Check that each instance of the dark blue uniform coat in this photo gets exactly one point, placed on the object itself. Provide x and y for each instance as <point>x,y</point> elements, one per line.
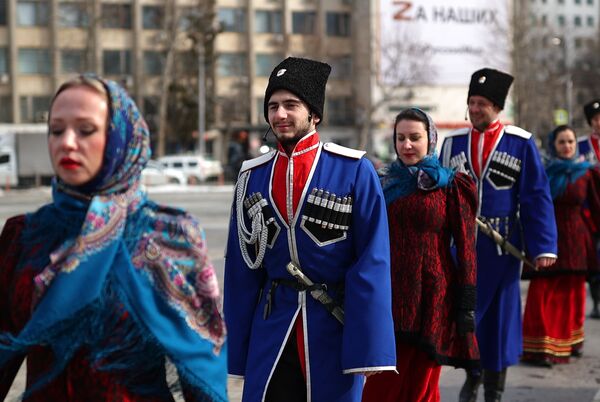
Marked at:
<point>514,197</point>
<point>357,256</point>
<point>585,148</point>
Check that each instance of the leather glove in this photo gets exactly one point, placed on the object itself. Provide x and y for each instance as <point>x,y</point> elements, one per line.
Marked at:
<point>465,321</point>
<point>595,287</point>
<point>593,277</point>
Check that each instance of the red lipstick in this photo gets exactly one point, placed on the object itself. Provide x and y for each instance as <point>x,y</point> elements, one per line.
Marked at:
<point>69,163</point>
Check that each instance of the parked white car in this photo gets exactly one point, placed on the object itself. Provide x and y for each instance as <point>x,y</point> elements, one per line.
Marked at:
<point>155,174</point>
<point>196,168</point>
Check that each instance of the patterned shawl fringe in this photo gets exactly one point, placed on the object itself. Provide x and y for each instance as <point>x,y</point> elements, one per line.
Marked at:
<point>399,180</point>
<point>130,348</point>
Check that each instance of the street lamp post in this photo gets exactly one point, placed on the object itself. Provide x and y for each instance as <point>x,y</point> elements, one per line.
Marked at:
<point>569,89</point>
<point>567,77</point>
<point>201,98</point>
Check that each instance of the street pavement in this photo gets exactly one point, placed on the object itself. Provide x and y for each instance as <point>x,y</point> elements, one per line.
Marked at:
<point>578,381</point>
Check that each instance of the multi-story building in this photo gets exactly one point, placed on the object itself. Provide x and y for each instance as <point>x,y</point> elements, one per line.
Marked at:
<point>571,23</point>
<point>336,31</point>
<point>44,42</point>
<point>568,31</point>
<point>257,34</point>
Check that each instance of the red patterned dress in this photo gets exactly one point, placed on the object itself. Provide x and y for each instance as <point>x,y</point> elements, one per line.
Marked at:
<point>428,288</point>
<point>555,309</point>
<point>79,381</point>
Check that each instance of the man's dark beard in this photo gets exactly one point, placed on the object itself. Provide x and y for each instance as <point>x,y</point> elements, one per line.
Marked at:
<point>291,142</point>
<point>482,129</point>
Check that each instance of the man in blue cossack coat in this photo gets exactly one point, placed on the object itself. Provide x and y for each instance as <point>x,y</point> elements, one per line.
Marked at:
<point>589,147</point>
<point>320,207</point>
<point>514,198</point>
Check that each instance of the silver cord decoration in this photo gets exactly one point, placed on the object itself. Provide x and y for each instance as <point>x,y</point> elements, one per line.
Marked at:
<point>258,233</point>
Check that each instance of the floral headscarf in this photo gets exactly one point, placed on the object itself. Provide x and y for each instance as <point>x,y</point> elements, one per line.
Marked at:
<point>128,254</point>
<point>399,180</point>
<point>560,171</point>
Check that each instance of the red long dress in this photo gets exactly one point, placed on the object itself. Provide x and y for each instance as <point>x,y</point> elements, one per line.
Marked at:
<point>79,381</point>
<point>555,308</point>
<point>428,287</point>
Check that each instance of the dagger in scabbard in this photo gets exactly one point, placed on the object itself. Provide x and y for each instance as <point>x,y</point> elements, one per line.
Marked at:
<point>319,294</point>
<point>504,244</point>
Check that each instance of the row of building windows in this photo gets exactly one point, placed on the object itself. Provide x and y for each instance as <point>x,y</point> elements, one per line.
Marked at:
<point>76,15</point>
<point>562,20</point>
<point>338,111</point>
<point>235,65</point>
<point>115,62</point>
<point>588,43</point>
<point>32,108</point>
<point>269,21</point>
<point>577,2</point>
<point>119,16</point>
<point>38,61</point>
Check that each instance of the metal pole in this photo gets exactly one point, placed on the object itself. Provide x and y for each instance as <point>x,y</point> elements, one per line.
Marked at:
<point>568,82</point>
<point>569,86</point>
<point>201,98</point>
<point>562,42</point>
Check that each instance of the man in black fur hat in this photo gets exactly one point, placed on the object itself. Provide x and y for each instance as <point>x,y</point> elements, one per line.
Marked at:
<point>320,208</point>
<point>514,197</point>
<point>589,147</point>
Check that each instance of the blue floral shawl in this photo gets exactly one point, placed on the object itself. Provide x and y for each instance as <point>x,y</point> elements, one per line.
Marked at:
<point>121,254</point>
<point>561,172</point>
<point>399,180</point>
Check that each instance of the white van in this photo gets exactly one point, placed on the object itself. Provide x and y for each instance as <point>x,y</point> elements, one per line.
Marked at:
<point>24,157</point>
<point>155,174</point>
<point>8,167</point>
<point>196,168</point>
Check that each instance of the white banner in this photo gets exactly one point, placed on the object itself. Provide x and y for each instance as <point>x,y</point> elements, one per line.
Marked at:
<point>451,39</point>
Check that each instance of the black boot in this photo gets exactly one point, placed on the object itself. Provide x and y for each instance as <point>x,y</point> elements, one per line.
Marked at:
<point>468,392</point>
<point>595,293</point>
<point>493,385</point>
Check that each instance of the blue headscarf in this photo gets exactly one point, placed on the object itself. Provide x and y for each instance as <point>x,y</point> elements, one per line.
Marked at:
<point>560,171</point>
<point>122,255</point>
<point>399,180</point>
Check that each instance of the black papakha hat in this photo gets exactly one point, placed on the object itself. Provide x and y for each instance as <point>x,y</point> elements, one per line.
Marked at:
<point>491,84</point>
<point>591,109</point>
<point>305,78</point>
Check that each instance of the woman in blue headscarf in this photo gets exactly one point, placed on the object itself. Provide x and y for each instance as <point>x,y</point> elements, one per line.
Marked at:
<point>555,309</point>
<point>433,293</point>
<point>101,286</point>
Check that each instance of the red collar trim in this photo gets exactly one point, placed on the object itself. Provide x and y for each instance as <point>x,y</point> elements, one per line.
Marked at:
<point>308,141</point>
<point>492,128</point>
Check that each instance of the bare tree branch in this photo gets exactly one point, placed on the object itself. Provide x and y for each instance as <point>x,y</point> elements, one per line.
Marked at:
<point>403,63</point>
<point>170,36</point>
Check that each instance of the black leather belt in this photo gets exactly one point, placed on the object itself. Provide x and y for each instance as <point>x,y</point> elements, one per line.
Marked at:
<point>300,287</point>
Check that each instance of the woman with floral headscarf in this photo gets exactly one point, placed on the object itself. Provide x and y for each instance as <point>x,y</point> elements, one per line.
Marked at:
<point>433,293</point>
<point>554,312</point>
<point>101,286</point>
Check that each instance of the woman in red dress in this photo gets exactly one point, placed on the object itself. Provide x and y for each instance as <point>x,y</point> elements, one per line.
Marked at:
<point>433,289</point>
<point>555,308</point>
<point>101,286</point>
